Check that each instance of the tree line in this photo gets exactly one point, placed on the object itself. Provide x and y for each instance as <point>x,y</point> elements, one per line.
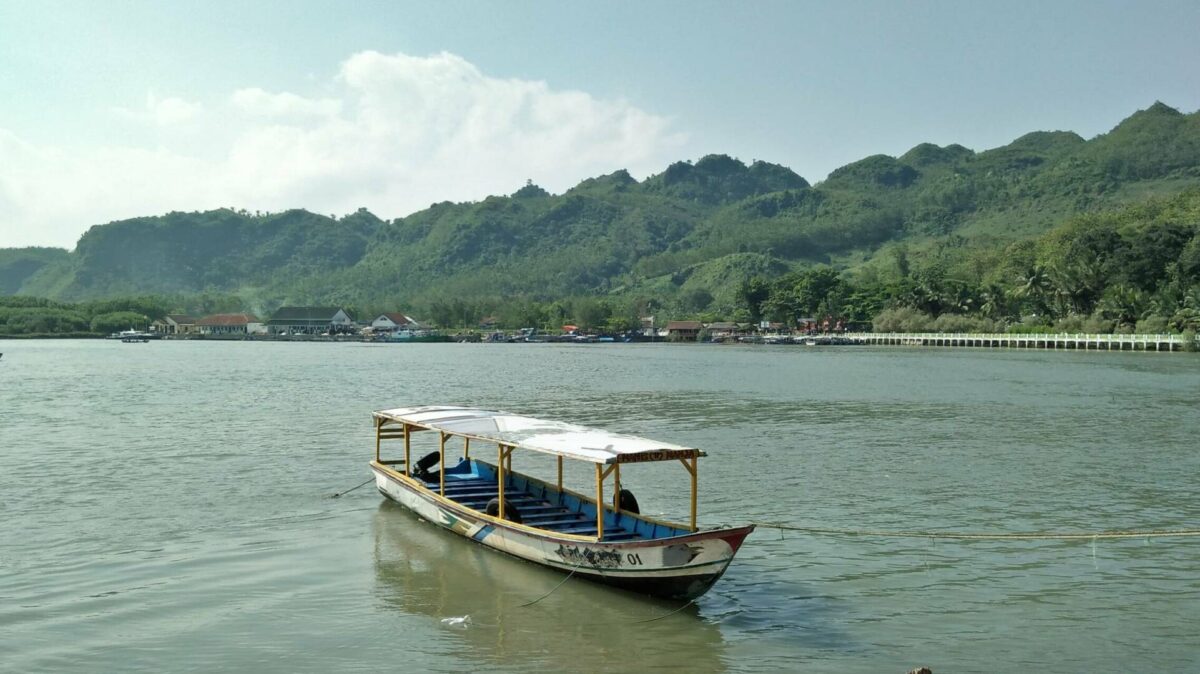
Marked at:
<point>1136,268</point>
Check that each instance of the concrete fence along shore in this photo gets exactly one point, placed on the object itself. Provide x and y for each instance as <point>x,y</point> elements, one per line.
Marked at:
<point>1081,342</point>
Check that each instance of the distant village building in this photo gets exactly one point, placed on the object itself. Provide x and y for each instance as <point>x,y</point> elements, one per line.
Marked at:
<point>722,330</point>
<point>683,330</point>
<point>393,322</point>
<point>310,321</point>
<point>174,324</point>
<point>647,326</point>
<point>230,324</point>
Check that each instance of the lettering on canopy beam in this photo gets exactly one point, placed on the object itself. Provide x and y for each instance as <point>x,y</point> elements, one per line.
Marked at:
<point>659,455</point>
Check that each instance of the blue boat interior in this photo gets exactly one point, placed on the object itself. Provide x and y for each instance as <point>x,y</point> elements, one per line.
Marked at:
<point>473,484</point>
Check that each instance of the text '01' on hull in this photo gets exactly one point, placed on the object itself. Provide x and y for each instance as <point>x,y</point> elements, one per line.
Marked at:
<point>541,521</point>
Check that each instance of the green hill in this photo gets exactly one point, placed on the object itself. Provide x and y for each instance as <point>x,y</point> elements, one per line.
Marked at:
<point>687,238</point>
<point>18,265</point>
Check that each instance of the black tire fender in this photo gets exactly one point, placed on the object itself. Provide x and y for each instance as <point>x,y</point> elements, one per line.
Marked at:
<point>510,511</point>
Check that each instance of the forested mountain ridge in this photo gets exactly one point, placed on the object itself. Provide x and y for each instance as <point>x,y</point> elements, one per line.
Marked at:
<point>688,237</point>
<point>17,265</point>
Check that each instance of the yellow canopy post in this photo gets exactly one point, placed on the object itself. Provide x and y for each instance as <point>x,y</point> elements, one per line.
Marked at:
<point>407,447</point>
<point>466,447</point>
<point>601,476</point>
<point>442,463</point>
<point>617,489</point>
<point>599,501</point>
<point>692,465</point>
<point>500,477</point>
<point>695,469</point>
<point>378,432</point>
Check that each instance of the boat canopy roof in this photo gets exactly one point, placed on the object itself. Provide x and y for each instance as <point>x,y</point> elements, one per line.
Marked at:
<point>540,435</point>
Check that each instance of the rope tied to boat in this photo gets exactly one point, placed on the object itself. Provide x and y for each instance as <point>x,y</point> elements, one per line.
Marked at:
<point>343,493</point>
<point>560,584</point>
<point>984,536</point>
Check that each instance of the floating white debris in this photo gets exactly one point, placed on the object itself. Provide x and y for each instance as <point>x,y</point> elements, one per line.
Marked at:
<point>457,621</point>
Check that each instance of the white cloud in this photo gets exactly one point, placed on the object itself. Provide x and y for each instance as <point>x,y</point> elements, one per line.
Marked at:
<point>255,101</point>
<point>170,111</point>
<point>394,133</point>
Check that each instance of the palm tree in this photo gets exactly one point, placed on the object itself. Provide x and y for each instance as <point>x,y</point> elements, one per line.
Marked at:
<point>1124,303</point>
<point>995,302</point>
<point>1033,285</point>
<point>1078,284</point>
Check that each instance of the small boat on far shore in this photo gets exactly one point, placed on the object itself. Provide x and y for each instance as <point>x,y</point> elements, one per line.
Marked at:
<point>541,521</point>
<point>417,337</point>
<point>132,336</point>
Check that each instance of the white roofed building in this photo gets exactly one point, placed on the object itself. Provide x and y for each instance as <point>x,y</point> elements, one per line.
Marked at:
<point>391,322</point>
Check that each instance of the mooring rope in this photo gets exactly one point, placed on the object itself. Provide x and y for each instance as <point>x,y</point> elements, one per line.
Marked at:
<point>1031,536</point>
<point>669,613</point>
<point>560,584</point>
<point>369,481</point>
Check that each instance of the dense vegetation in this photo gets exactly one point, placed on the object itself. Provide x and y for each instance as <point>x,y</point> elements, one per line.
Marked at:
<point>34,316</point>
<point>1050,231</point>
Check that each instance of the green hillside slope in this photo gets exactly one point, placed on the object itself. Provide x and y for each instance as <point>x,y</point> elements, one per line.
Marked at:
<point>687,238</point>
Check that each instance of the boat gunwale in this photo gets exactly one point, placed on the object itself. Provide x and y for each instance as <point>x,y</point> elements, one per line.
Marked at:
<point>547,534</point>
<point>427,493</point>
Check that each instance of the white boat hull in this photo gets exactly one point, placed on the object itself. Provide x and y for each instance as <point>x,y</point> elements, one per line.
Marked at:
<point>682,567</point>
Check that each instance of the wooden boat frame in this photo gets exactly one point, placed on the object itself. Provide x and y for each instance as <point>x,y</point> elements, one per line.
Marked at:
<point>628,549</point>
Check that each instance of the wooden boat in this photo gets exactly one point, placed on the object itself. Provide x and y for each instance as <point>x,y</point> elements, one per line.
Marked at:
<point>541,521</point>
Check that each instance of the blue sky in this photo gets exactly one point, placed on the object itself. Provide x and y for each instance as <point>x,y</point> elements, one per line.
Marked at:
<point>117,109</point>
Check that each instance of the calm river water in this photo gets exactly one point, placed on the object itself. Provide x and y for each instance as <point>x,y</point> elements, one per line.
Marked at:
<point>165,507</point>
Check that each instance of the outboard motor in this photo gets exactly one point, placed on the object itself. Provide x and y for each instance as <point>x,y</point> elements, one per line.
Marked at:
<point>627,502</point>
<point>421,468</point>
<point>510,511</point>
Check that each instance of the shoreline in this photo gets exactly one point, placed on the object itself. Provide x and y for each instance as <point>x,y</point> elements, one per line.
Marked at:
<point>1041,341</point>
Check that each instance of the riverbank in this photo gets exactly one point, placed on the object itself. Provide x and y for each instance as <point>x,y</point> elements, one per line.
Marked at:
<point>1052,342</point>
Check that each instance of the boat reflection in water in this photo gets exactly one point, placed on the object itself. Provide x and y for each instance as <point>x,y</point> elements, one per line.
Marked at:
<point>421,569</point>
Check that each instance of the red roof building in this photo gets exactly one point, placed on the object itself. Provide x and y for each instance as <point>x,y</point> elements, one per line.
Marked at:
<point>225,324</point>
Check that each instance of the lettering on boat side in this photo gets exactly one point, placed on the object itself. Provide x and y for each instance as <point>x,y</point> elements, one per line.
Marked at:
<point>660,455</point>
<point>605,559</point>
